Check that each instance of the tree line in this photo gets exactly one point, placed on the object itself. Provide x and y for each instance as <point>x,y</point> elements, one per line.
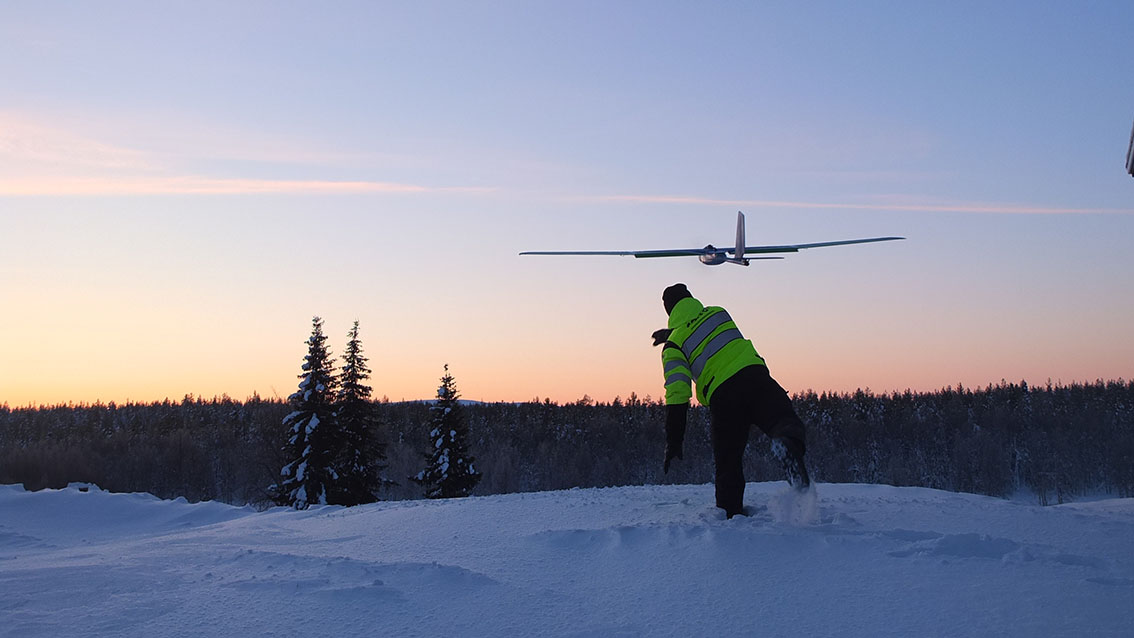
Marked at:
<point>1056,441</point>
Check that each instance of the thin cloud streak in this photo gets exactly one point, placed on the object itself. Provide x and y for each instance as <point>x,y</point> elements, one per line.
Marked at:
<point>193,185</point>
<point>39,159</point>
<point>30,141</point>
<point>931,208</point>
<point>25,142</point>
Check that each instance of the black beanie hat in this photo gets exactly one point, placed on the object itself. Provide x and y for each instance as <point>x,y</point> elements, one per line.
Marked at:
<point>674,294</point>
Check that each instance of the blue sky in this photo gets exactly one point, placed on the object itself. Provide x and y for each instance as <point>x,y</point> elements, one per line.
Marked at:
<point>183,186</point>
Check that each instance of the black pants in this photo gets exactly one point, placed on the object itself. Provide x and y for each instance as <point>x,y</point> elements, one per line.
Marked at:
<point>749,397</point>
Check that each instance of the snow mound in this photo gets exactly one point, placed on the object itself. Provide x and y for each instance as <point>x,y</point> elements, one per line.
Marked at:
<point>847,560</point>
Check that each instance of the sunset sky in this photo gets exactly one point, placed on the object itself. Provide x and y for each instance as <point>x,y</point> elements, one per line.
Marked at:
<point>184,185</point>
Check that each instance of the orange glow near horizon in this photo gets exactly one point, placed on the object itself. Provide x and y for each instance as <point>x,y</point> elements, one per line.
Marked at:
<point>149,310</point>
<point>169,378</point>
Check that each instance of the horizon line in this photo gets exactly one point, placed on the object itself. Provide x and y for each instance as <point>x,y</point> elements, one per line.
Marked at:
<point>1059,383</point>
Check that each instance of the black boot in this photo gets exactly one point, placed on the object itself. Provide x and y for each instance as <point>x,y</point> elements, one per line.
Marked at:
<point>789,453</point>
<point>733,511</point>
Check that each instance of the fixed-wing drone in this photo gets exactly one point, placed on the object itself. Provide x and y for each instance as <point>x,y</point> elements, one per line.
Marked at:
<point>712,256</point>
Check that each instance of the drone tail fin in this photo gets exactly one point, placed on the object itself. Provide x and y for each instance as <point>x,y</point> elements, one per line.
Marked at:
<point>739,235</point>
<point>738,251</point>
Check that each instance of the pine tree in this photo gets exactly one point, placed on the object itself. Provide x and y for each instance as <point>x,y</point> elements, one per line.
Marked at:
<point>363,454</point>
<point>450,472</point>
<point>313,435</point>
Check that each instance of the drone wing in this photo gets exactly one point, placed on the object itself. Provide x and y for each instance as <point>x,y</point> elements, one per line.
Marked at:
<point>711,255</point>
<point>794,248</point>
<point>676,252</point>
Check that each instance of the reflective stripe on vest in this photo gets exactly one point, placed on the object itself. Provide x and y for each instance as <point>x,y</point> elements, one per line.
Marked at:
<point>676,371</point>
<point>698,336</point>
<point>714,346</point>
<point>703,331</point>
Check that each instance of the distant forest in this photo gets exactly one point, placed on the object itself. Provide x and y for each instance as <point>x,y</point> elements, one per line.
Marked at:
<point>1054,441</point>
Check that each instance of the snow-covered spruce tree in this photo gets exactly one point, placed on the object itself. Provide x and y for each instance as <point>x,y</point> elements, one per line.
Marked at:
<point>362,457</point>
<point>313,436</point>
<point>450,472</point>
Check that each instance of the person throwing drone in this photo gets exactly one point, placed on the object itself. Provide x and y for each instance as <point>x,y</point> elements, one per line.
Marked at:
<point>703,345</point>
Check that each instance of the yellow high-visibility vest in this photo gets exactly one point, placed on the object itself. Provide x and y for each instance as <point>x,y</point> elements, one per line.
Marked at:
<point>705,346</point>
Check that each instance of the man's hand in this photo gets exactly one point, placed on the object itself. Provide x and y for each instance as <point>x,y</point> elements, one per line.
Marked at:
<point>672,451</point>
<point>661,336</point>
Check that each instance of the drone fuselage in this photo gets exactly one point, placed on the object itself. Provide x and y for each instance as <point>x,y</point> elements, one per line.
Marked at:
<point>713,256</point>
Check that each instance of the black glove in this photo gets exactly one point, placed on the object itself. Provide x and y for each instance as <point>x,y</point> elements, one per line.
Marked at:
<point>675,416</point>
<point>661,336</point>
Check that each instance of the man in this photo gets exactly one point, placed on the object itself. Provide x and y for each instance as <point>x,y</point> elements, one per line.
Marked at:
<point>703,345</point>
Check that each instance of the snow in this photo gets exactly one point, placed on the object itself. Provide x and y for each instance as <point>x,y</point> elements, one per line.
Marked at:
<point>858,560</point>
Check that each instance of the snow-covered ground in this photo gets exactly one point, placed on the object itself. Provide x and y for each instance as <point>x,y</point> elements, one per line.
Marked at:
<point>865,560</point>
